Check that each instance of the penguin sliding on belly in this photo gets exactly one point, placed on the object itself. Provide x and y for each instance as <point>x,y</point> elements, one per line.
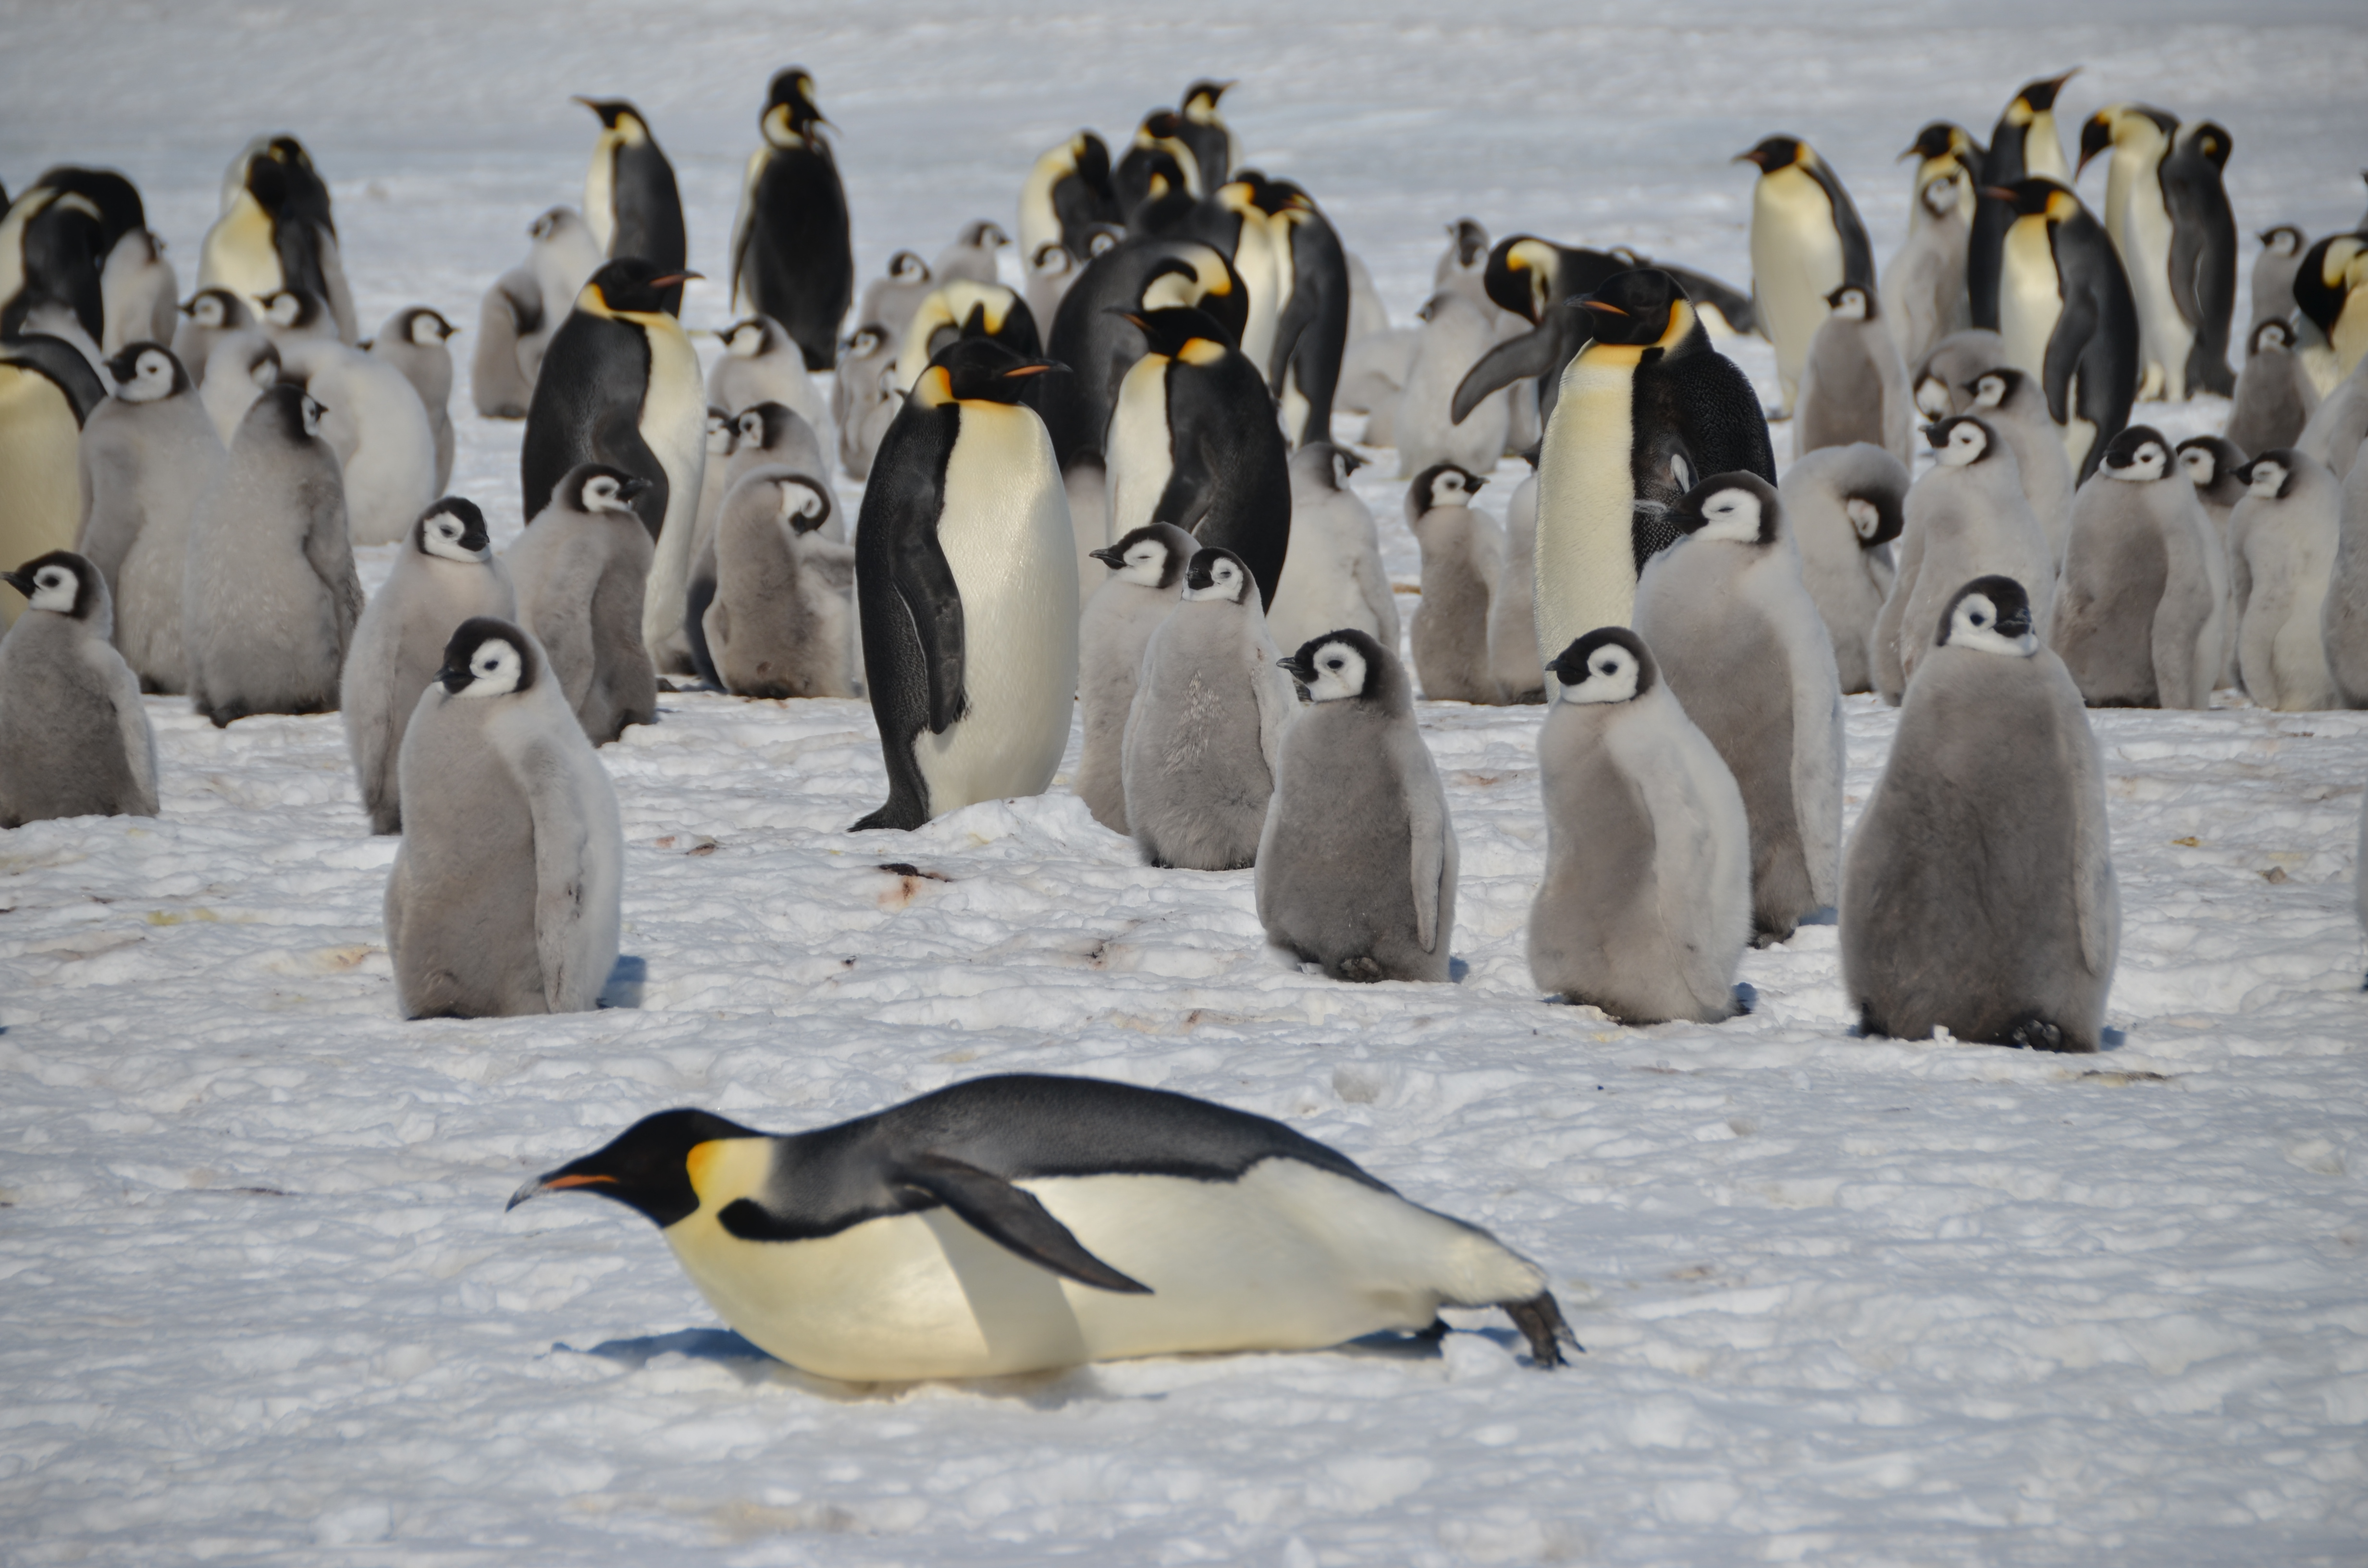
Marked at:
<point>1023,1222</point>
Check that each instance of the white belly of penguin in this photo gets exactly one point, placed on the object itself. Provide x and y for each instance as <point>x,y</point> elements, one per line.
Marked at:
<point>2028,298</point>
<point>1797,261</point>
<point>674,425</point>
<point>2166,334</point>
<point>1288,1257</point>
<point>238,254</point>
<point>1140,451</point>
<point>1587,497</point>
<point>1006,534</point>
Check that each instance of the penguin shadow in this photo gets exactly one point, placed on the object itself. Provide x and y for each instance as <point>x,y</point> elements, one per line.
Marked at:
<point>745,1360</point>
<point>2108,1038</point>
<point>624,984</point>
<point>1456,970</point>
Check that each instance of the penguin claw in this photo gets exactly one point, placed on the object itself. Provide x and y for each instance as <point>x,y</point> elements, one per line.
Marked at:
<point>1540,1322</point>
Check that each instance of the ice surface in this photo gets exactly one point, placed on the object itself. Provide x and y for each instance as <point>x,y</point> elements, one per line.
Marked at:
<point>1846,1301</point>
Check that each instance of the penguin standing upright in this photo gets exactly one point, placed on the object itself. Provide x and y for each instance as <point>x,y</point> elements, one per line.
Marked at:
<point>792,257</point>
<point>1050,270</point>
<point>970,257</point>
<point>137,291</point>
<point>1216,149</point>
<point>73,738</point>
<point>1310,330</point>
<point>208,316</point>
<point>2211,464</point>
<point>2283,540</point>
<point>53,245</point>
<point>1807,242</point>
<point>1853,386</point>
<point>864,397</point>
<point>2343,618</point>
<point>243,366</point>
<point>965,308</point>
<point>2067,315</point>
<point>524,307</point>
<point>1068,191</point>
<point>1462,561</point>
<point>777,622</point>
<point>377,426</point>
<point>1091,334</point>
<point>893,297</point>
<point>2015,409</point>
<point>1924,285</point>
<point>630,199</point>
<point>2273,273</point>
<point>2168,217</point>
<point>966,579</point>
<point>1645,410</point>
<point>46,390</point>
<point>2138,617</point>
<point>1333,577</point>
<point>2274,397</point>
<point>1431,424</point>
<point>761,364</point>
<point>147,453</point>
<point>1513,659</point>
<point>276,232</point>
<point>581,569</point>
<point>413,342</point>
<point>1844,505</point>
<point>2024,144</point>
<point>1146,580</point>
<point>1943,380</point>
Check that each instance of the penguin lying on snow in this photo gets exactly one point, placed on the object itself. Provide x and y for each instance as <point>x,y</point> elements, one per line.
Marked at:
<point>1022,1223</point>
<point>73,739</point>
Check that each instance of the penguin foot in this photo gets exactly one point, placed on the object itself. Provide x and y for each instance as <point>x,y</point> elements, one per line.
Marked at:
<point>1540,1322</point>
<point>1361,970</point>
<point>2038,1034</point>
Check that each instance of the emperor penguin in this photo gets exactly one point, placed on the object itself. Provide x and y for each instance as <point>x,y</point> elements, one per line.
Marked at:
<point>377,426</point>
<point>505,899</point>
<point>73,739</point>
<point>2343,619</point>
<point>1216,149</point>
<point>2065,313</point>
<point>47,390</point>
<point>1978,894</point>
<point>1924,285</point>
<point>2211,463</point>
<point>2139,616</point>
<point>1807,242</point>
<point>1211,706</point>
<point>722,437</point>
<point>1853,386</point>
<point>1464,266</point>
<point>1333,577</point>
<point>1513,660</point>
<point>525,307</point>
<point>2274,397</point>
<point>630,197</point>
<point>2012,405</point>
<point>970,256</point>
<point>1966,517</point>
<point>792,257</point>
<point>269,596</point>
<point>445,574</point>
<point>1463,562</point>
<point>413,341</point>
<point>2273,273</point>
<point>1050,270</point>
<point>146,454</point>
<point>2330,289</point>
<point>1646,409</point>
<point>208,316</point>
<point>1092,335</point>
<point>1311,331</point>
<point>864,397</point>
<point>1645,909</point>
<point>291,315</point>
<point>243,366</point>
<point>893,297</point>
<point>2283,539</point>
<point>136,284</point>
<point>2339,423</point>
<point>1843,507</point>
<point>761,364</point>
<point>1194,442</point>
<point>777,622</point>
<point>1356,863</point>
<point>581,571</point>
<point>1146,580</point>
<point>1025,1224</point>
<point>966,308</point>
<point>774,433</point>
<point>1744,651</point>
<point>2169,220</point>
<point>1455,334</point>
<point>277,232</point>
<point>52,245</point>
<point>2024,144</point>
<point>1942,380</point>
<point>1068,192</point>
<point>966,583</point>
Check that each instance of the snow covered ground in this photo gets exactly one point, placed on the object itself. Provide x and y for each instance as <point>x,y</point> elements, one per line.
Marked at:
<point>1845,1301</point>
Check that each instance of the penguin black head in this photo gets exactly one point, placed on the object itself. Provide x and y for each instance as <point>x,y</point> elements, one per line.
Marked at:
<point>60,582</point>
<point>2037,198</point>
<point>424,326</point>
<point>619,115</point>
<point>1470,240</point>
<point>1962,440</point>
<point>1216,573</point>
<point>453,529</point>
<point>1154,556</point>
<point>1876,511</point>
<point>723,433</point>
<point>117,198</point>
<point>2271,476</point>
<point>1941,193</point>
<point>1854,301</point>
<point>2139,455</point>
<point>907,267</point>
<point>299,309</point>
<point>1942,140</point>
<point>1777,152</point>
<point>1051,259</point>
<point>219,309</point>
<point>2207,459</point>
<point>983,234</point>
<point>1103,238</point>
<point>647,1167</point>
<point>2210,139</point>
<point>798,502</point>
<point>1175,330</point>
<point>1996,387</point>
<point>1609,663</point>
<point>289,410</point>
<point>1340,665</point>
<point>2271,334</point>
<point>1441,485</point>
<point>977,369</point>
<point>596,487</point>
<point>147,372</point>
<point>1201,99</point>
<point>488,657</point>
<point>2283,240</point>
<point>761,424</point>
<point>1734,509</point>
<point>1645,308</point>
<point>1991,615</point>
<point>2097,130</point>
<point>2037,97</point>
<point>629,287</point>
<point>790,114</point>
<point>1522,274</point>
<point>1089,156</point>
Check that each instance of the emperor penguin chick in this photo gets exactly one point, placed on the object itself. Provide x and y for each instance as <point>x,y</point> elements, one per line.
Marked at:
<point>1844,505</point>
<point>864,398</point>
<point>444,573</point>
<point>2138,620</point>
<point>1742,649</point>
<point>2275,397</point>
<point>1146,580</point>
<point>1853,386</point>
<point>504,896</point>
<point>239,368</point>
<point>1355,864</point>
<point>1942,382</point>
<point>208,315</point>
<point>413,341</point>
<point>1923,288</point>
<point>1513,660</point>
<point>2211,463</point>
<point>148,453</point>
<point>762,363</point>
<point>2282,544</point>
<point>270,596</point>
<point>1455,333</point>
<point>779,623</point>
<point>776,435</point>
<point>2014,408</point>
<point>1207,723</point>
<point>1463,563</point>
<point>1333,576</point>
<point>1978,895</point>
<point>375,421</point>
<point>73,739</point>
<point>580,569</point>
<point>1646,906</point>
<point>2343,622</point>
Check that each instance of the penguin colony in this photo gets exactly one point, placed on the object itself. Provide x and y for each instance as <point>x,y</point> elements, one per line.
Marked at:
<point>1121,486</point>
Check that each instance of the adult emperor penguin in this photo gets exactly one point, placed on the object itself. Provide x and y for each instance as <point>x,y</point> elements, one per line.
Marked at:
<point>1311,333</point>
<point>2274,397</point>
<point>1744,651</point>
<point>1807,242</point>
<point>136,288</point>
<point>2024,144</point>
<point>778,621</point>
<point>445,574</point>
<point>1211,706</point>
<point>275,231</point>
<point>2283,539</point>
<point>761,364</point>
<point>1646,905</point>
<point>2343,620</point>
<point>1853,386</point>
<point>147,453</point>
<point>504,900</point>
<point>46,390</point>
<point>1023,1224</point>
<point>1068,191</point>
<point>1091,334</point>
<point>1646,409</point>
<point>966,578</point>
<point>1924,285</point>
<point>965,308</point>
<point>73,738</point>
<point>1146,580</point>
<point>1216,149</point>
<point>2014,408</point>
<point>1965,518</point>
<point>2168,217</point>
<point>2138,617</point>
<point>1844,505</point>
<point>2067,315</point>
<point>581,569</point>
<point>1356,864</point>
<point>2339,424</point>
<point>413,341</point>
<point>630,199</point>
<point>52,245</point>
<point>1333,577</point>
<point>1978,895</point>
<point>270,596</point>
<point>1462,561</point>
<point>791,258</point>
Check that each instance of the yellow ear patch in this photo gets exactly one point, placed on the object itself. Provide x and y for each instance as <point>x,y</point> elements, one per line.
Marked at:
<point>1202,351</point>
<point>935,389</point>
<point>699,1164</point>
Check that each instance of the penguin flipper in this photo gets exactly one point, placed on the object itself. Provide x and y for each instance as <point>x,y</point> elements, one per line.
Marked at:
<point>2065,346</point>
<point>1012,1218</point>
<point>924,580</point>
<point>1531,354</point>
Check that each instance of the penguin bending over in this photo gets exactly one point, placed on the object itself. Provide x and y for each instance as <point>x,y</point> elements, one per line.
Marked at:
<point>1356,863</point>
<point>276,232</point>
<point>375,423</point>
<point>1091,334</point>
<point>2330,289</point>
<point>1022,1223</point>
<point>1853,386</point>
<point>504,900</point>
<point>1924,285</point>
<point>47,390</point>
<point>965,308</point>
<point>2340,423</point>
<point>52,244</point>
<point>73,739</point>
<point>1333,576</point>
<point>581,569</point>
<point>1146,580</point>
<point>1427,427</point>
<point>413,342</point>
<point>2283,539</point>
<point>1463,562</point>
<point>1807,242</point>
<point>1844,505</point>
<point>630,196</point>
<point>2274,397</point>
<point>791,258</point>
<point>777,623</point>
<point>2138,619</point>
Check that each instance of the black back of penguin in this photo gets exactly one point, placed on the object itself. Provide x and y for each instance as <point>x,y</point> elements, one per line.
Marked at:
<point>646,207</point>
<point>587,403</point>
<point>1231,484</point>
<point>793,258</point>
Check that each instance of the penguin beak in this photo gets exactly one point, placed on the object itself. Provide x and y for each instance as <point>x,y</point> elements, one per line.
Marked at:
<point>1609,310</point>
<point>1998,193</point>
<point>1755,158</point>
<point>671,279</point>
<point>1298,669</point>
<point>556,1182</point>
<point>453,678</point>
<point>1934,435</point>
<point>1046,368</point>
<point>18,581</point>
<point>1111,556</point>
<point>630,487</point>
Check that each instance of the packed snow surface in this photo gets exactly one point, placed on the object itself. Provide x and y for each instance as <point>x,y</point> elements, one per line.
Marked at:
<point>1844,1301</point>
